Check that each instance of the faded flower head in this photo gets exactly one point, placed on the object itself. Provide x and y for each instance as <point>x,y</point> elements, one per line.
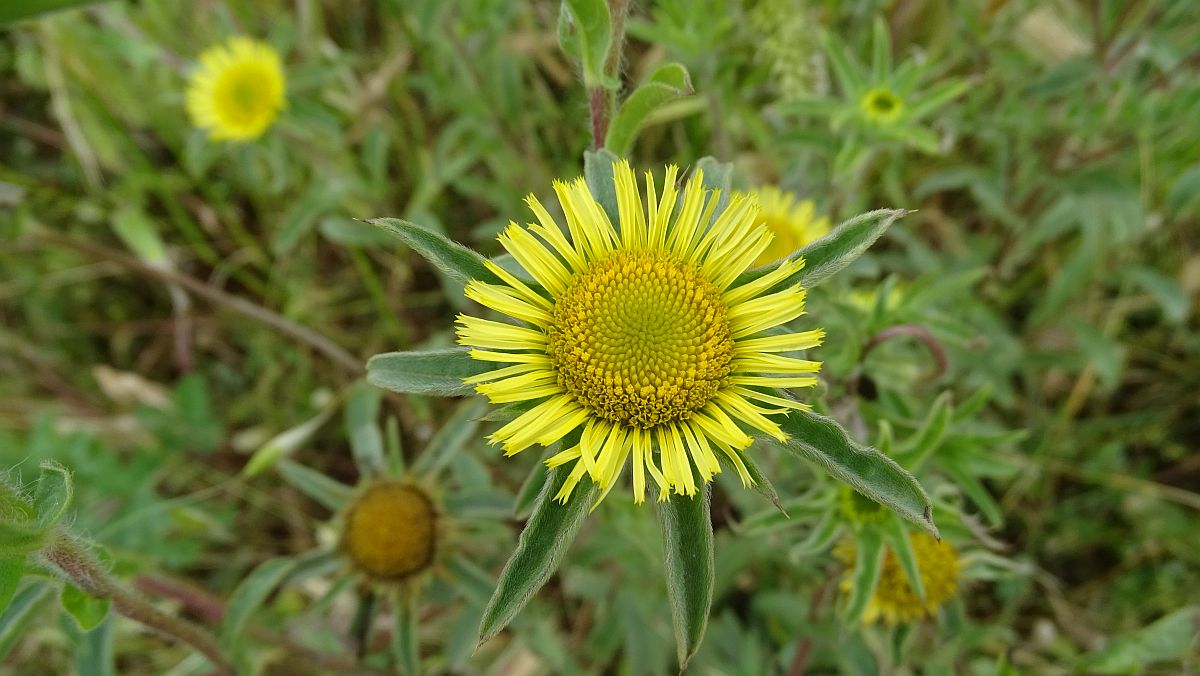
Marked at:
<point>390,531</point>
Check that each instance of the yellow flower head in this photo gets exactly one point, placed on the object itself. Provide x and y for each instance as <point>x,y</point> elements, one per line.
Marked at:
<point>881,106</point>
<point>793,221</point>
<point>237,91</point>
<point>390,531</point>
<point>639,334</point>
<point>894,600</point>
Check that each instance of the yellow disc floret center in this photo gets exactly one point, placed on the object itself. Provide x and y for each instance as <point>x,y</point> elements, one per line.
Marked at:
<point>390,531</point>
<point>641,339</point>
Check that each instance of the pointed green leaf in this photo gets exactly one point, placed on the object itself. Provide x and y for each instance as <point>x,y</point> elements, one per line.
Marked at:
<point>94,650</point>
<point>896,536</point>
<point>361,422</point>
<point>530,490</point>
<point>329,492</point>
<point>248,596</point>
<point>927,102</point>
<point>666,84</point>
<point>868,564</point>
<point>836,250</point>
<point>87,610</point>
<point>547,535</point>
<point>968,484</point>
<point>53,494</point>
<point>688,558</point>
<point>598,172</point>
<point>437,372</point>
<point>822,441</point>
<point>452,258</point>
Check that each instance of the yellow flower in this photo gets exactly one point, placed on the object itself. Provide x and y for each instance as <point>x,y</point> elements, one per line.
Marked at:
<point>390,531</point>
<point>640,335</point>
<point>881,106</point>
<point>792,221</point>
<point>894,600</point>
<point>237,91</point>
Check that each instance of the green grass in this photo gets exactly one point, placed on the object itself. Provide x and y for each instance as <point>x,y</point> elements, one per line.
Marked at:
<point>1050,152</point>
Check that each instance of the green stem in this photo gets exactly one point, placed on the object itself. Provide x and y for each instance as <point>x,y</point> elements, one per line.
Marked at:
<point>601,100</point>
<point>67,555</point>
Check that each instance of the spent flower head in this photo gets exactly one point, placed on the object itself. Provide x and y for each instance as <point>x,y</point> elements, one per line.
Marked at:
<point>238,90</point>
<point>390,531</point>
<point>638,334</point>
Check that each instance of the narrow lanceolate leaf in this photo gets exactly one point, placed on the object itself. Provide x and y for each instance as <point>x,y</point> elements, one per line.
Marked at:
<point>929,437</point>
<point>53,494</point>
<point>449,256</point>
<point>20,614</point>
<point>437,372</point>
<point>455,433</point>
<point>248,596</point>
<point>688,558</point>
<point>896,536</point>
<point>868,563</point>
<point>828,255</point>
<point>598,172</point>
<point>668,83</point>
<point>824,442</point>
<point>547,535</point>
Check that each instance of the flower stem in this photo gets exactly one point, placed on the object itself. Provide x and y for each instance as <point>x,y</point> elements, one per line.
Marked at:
<point>74,561</point>
<point>602,100</point>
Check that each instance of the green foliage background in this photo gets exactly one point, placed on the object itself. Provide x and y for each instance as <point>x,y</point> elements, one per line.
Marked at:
<point>183,323</point>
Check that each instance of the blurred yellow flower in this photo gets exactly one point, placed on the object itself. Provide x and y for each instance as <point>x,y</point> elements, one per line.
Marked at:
<point>793,221</point>
<point>894,600</point>
<point>237,91</point>
<point>859,508</point>
<point>390,531</point>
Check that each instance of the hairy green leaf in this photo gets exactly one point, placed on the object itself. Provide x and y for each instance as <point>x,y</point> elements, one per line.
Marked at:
<point>53,494</point>
<point>360,420</point>
<point>822,441</point>
<point>452,258</point>
<point>666,84</point>
<point>896,536</point>
<point>547,535</point>
<point>688,558</point>
<point>833,252</point>
<point>436,372</point>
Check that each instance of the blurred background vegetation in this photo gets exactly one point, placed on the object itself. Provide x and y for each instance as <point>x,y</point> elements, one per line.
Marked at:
<point>183,323</point>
